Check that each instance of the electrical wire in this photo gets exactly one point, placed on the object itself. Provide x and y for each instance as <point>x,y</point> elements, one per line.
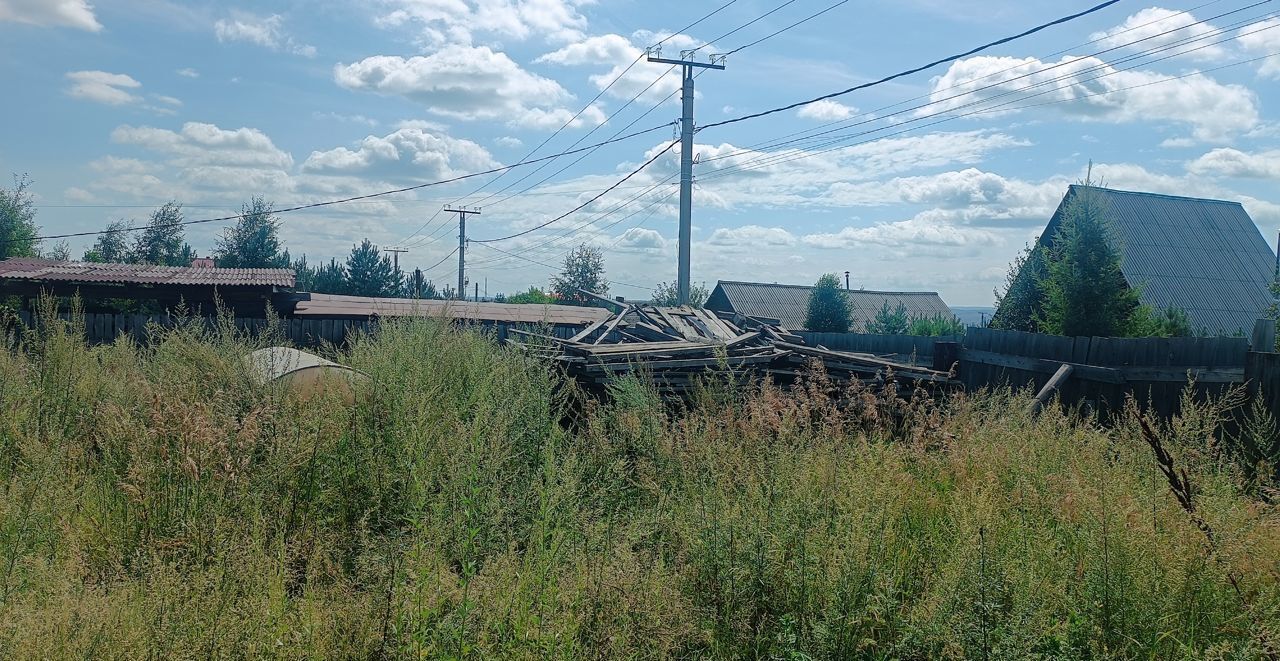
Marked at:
<point>908,72</point>
<point>532,261</point>
<point>744,26</point>
<point>796,24</point>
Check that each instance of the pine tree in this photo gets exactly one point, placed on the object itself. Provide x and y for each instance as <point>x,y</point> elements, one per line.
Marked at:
<point>111,246</point>
<point>254,242</point>
<point>889,322</point>
<point>1085,293</point>
<point>18,229</point>
<point>1021,304</point>
<point>161,241</point>
<point>583,270</point>
<point>370,273</point>
<point>828,307</point>
<point>330,278</point>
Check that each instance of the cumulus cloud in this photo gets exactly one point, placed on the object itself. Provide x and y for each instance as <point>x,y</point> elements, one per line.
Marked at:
<point>102,87</point>
<point>406,152</point>
<point>1098,92</point>
<point>915,232</point>
<point>51,13</point>
<point>508,141</point>
<point>1147,29</point>
<point>641,238</point>
<point>265,31</point>
<point>826,110</point>
<point>1227,162</point>
<point>188,72</point>
<point>623,79</point>
<point>459,21</point>
<point>199,144</point>
<point>1263,39</point>
<point>752,236</point>
<point>466,83</point>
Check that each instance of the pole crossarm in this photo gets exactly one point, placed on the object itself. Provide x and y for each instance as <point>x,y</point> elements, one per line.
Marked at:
<point>715,61</point>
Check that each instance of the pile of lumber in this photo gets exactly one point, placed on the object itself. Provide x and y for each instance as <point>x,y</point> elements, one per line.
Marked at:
<point>676,346</point>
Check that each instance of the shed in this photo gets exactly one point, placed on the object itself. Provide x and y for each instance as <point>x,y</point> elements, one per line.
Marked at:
<point>789,304</point>
<point>249,290</point>
<point>1204,256</point>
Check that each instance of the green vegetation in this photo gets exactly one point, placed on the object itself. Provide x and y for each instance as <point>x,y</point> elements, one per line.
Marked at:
<point>254,241</point>
<point>889,322</point>
<point>583,270</point>
<point>828,308</point>
<point>534,295</point>
<point>668,294</point>
<point>156,502</point>
<point>935,325</point>
<point>18,228</point>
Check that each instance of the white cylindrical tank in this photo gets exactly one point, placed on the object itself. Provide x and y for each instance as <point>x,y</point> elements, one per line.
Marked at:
<point>304,374</point>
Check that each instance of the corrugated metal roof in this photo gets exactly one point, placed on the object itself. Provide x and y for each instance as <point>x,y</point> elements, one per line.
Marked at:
<point>335,305</point>
<point>1204,256</point>
<point>47,270</point>
<point>789,304</point>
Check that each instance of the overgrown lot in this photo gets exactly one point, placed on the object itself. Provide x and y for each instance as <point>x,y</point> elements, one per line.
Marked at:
<point>155,502</point>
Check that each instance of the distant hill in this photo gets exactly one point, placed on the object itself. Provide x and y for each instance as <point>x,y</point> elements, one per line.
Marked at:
<point>973,315</point>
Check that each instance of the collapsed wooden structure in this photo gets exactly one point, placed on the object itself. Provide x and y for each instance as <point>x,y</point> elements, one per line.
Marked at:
<point>678,346</point>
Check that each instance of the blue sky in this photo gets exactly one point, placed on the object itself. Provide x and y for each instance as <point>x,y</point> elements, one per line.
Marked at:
<point>124,105</point>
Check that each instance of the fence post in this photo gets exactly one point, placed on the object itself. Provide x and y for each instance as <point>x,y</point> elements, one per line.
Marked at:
<point>945,355</point>
<point>1264,335</point>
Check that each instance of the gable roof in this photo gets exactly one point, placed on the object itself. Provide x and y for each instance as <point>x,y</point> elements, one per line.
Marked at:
<point>789,304</point>
<point>1204,256</point>
<point>53,271</point>
<point>335,305</point>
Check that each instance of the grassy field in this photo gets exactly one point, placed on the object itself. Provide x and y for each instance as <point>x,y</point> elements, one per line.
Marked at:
<point>157,503</point>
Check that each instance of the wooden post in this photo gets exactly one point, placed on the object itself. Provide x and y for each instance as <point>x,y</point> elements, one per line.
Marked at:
<point>1049,388</point>
<point>945,355</point>
<point>1264,336</point>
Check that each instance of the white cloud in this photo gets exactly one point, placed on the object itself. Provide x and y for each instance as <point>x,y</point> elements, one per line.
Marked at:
<point>407,152</point>
<point>167,100</point>
<point>509,141</point>
<point>459,21</point>
<point>1147,29</point>
<point>826,110</point>
<point>102,87</point>
<point>1227,162</point>
<point>200,144</point>
<point>915,232</point>
<point>339,117</point>
<point>752,236</point>
<point>466,83</point>
<point>188,72</point>
<point>1263,39</point>
<point>53,13</point>
<point>624,79</point>
<point>641,238</point>
<point>267,32</point>
<point>1214,111</point>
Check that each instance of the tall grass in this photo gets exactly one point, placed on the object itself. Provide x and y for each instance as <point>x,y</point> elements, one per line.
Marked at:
<point>157,502</point>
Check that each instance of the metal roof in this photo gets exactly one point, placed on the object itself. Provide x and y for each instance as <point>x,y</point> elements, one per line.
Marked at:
<point>1204,256</point>
<point>48,270</point>
<point>335,305</point>
<point>789,304</point>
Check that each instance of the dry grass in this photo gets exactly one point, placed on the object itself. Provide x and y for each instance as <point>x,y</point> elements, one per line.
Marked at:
<point>156,503</point>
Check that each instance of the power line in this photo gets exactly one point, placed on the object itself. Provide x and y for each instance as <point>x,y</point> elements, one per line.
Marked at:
<point>915,70</point>
<point>354,198</point>
<point>814,131</point>
<point>744,26</point>
<point>588,202</point>
<point>769,158</point>
<point>796,24</point>
<point>532,261</point>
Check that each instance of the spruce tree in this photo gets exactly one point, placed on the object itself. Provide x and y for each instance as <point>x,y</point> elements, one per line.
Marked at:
<point>370,273</point>
<point>828,307</point>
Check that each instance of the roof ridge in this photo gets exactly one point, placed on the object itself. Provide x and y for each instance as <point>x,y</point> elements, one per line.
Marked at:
<point>1160,195</point>
<point>861,291</point>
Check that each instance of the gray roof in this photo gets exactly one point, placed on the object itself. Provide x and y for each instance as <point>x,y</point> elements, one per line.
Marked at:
<point>49,270</point>
<point>1204,256</point>
<point>789,304</point>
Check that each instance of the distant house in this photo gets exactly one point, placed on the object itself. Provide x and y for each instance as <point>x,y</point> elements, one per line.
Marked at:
<point>1204,256</point>
<point>789,304</point>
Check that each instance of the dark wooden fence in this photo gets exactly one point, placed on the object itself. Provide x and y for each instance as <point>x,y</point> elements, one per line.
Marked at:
<point>914,349</point>
<point>308,332</point>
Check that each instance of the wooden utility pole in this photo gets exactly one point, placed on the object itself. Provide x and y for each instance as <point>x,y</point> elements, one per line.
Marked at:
<point>395,255</point>
<point>686,157</point>
<point>462,246</point>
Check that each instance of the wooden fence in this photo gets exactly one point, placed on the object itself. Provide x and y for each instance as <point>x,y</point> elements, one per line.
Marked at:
<point>101,328</point>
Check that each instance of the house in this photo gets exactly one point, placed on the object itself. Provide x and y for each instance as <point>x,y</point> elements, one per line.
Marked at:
<point>247,291</point>
<point>789,304</point>
<point>1203,256</point>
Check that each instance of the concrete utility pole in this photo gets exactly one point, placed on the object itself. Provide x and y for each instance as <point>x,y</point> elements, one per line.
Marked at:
<point>462,247</point>
<point>395,255</point>
<point>686,156</point>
